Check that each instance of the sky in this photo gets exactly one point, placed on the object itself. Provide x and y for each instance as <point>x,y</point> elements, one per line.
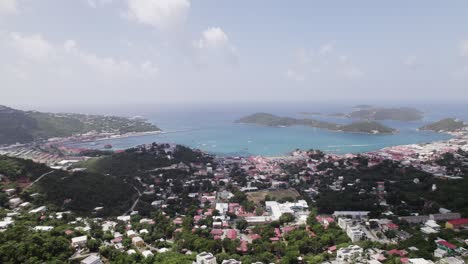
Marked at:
<point>90,52</point>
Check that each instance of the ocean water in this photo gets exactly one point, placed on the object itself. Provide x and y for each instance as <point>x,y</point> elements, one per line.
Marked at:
<point>212,129</point>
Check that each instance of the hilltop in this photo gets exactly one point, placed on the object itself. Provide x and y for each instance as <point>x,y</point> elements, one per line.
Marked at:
<point>265,119</point>
<point>445,125</point>
<point>17,126</point>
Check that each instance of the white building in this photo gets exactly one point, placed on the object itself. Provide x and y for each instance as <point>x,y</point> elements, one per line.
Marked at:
<point>79,241</point>
<point>355,233</point>
<point>43,228</point>
<point>222,208</point>
<point>277,210</point>
<point>138,241</point>
<point>14,202</point>
<point>231,261</point>
<point>349,253</point>
<point>93,259</point>
<point>147,253</point>
<point>419,261</point>
<point>451,260</point>
<point>343,223</point>
<point>38,210</point>
<point>206,258</point>
<point>353,214</point>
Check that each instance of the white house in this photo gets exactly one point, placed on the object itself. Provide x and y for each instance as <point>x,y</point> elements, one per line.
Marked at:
<point>79,241</point>
<point>206,258</point>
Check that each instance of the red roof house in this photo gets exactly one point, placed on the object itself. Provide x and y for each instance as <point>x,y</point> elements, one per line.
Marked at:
<point>231,234</point>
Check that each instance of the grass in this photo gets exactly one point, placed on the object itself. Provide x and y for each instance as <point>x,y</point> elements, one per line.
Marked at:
<point>259,196</point>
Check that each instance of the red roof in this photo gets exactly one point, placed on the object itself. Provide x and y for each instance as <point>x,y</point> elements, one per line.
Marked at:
<point>243,247</point>
<point>255,236</point>
<point>288,229</point>
<point>231,234</point>
<point>447,244</point>
<point>401,253</point>
<point>458,222</point>
<point>217,232</point>
<point>277,232</point>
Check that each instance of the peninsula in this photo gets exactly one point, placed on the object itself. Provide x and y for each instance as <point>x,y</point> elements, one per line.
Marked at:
<point>17,126</point>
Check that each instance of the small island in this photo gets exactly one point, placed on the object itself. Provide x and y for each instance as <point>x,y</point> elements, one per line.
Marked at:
<point>405,114</point>
<point>446,125</point>
<point>366,127</point>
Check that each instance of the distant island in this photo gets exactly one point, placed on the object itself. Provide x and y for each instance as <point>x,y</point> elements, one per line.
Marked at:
<point>310,113</point>
<point>398,114</point>
<point>18,126</point>
<point>265,119</point>
<point>446,125</point>
<point>362,106</point>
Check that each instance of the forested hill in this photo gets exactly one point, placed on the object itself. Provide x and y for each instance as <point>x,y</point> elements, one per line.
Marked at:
<point>18,126</point>
<point>110,181</point>
<point>80,192</point>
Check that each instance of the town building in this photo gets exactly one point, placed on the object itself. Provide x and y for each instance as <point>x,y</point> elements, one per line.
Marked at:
<point>205,258</point>
<point>79,241</point>
<point>92,259</point>
<point>349,253</point>
<point>457,223</point>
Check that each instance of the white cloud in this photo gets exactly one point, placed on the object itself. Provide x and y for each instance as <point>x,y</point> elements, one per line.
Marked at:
<point>213,38</point>
<point>326,49</point>
<point>32,53</point>
<point>294,75</point>
<point>352,72</point>
<point>8,7</point>
<point>97,3</point>
<point>464,48</point>
<point>326,64</point>
<point>410,60</point>
<point>107,65</point>
<point>149,68</point>
<point>214,44</point>
<point>33,47</point>
<point>162,14</point>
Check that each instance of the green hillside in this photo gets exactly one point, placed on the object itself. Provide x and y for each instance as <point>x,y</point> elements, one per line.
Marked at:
<point>18,126</point>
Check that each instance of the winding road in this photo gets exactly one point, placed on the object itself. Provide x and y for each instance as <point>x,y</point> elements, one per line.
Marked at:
<point>38,179</point>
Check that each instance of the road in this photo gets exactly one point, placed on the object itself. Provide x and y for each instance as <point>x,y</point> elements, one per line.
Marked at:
<point>136,201</point>
<point>38,179</point>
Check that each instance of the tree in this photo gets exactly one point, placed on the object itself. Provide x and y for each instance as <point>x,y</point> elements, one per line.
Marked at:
<point>286,218</point>
<point>93,244</point>
<point>242,224</point>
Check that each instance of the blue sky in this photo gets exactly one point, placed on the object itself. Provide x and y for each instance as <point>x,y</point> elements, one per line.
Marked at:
<point>150,51</point>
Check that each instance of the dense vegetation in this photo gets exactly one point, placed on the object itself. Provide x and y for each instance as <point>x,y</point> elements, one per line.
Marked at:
<point>26,126</point>
<point>265,119</point>
<point>367,127</point>
<point>20,169</point>
<point>447,124</point>
<point>81,192</point>
<point>407,189</point>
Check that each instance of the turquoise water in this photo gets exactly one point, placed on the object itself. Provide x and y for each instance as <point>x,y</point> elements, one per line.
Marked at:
<point>212,129</point>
